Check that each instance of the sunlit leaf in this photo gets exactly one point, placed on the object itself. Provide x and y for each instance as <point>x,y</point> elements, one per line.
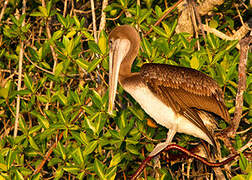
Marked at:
<point>94,64</point>
<point>160,31</point>
<point>194,62</point>
<point>99,169</point>
<point>102,43</point>
<point>94,47</point>
<point>33,143</point>
<point>28,82</point>
<point>115,160</point>
<point>90,147</point>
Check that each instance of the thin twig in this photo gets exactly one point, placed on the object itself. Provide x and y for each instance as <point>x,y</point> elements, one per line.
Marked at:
<point>192,13</point>
<point>94,20</point>
<point>38,169</point>
<point>65,8</point>
<point>103,16</point>
<point>20,67</point>
<point>189,153</point>
<point>199,20</point>
<point>3,9</point>
<point>34,64</point>
<point>244,44</point>
<point>165,14</point>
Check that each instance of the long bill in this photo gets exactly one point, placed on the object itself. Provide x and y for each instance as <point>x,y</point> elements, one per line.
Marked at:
<point>117,53</point>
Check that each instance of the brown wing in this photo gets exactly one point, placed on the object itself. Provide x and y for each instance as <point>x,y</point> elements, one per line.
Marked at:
<point>185,89</point>
<point>192,88</point>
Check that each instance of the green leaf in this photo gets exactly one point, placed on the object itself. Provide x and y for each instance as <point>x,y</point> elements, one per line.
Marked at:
<point>94,64</point>
<point>213,24</point>
<point>76,21</point>
<point>72,169</point>
<point>4,92</point>
<point>111,173</point>
<point>62,20</point>
<point>62,98</point>
<point>243,162</point>
<point>212,41</point>
<point>83,64</point>
<point>158,11</point>
<point>28,82</point>
<point>116,159</point>
<point>77,154</point>
<point>19,176</point>
<point>61,150</point>
<point>61,117</point>
<point>57,34</point>
<point>23,92</point>
<point>49,7</point>
<point>42,99</point>
<point>102,43</point>
<point>37,14</point>
<point>43,10</point>
<point>160,31</point>
<point>137,112</point>
<point>59,69</point>
<point>100,121</point>
<point>22,125</point>
<point>99,169</point>
<point>34,129</point>
<point>231,45</point>
<point>90,147</point>
<point>41,119</point>
<point>218,56</point>
<point>33,143</point>
<point>239,177</point>
<point>96,99</point>
<point>3,167</point>
<point>147,47</point>
<point>94,47</point>
<point>238,142</point>
<point>71,33</point>
<point>84,138</point>
<point>11,155</point>
<point>132,149</point>
<point>146,15</point>
<point>194,63</point>
<point>59,172</point>
<point>88,35</point>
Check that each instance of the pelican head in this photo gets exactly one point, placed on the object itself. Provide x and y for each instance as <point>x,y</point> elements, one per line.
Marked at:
<point>124,42</point>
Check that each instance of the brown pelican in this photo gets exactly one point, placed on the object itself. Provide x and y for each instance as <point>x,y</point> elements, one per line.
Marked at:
<point>177,98</point>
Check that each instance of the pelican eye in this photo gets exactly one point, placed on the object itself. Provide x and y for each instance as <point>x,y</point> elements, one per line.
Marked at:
<point>110,43</point>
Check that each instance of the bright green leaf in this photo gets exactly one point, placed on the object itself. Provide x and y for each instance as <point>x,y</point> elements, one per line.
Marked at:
<point>99,169</point>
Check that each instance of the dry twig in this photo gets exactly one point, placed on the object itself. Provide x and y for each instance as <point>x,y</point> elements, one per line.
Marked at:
<point>3,9</point>
<point>103,16</point>
<point>20,67</point>
<point>165,14</point>
<point>244,43</point>
<point>94,20</point>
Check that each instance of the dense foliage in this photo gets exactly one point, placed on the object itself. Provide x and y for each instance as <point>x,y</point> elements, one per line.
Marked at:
<point>63,106</point>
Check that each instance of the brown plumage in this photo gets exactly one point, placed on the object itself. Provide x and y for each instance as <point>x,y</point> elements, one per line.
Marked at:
<point>175,97</point>
<point>189,88</point>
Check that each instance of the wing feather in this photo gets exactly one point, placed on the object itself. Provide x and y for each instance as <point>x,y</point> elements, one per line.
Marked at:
<point>196,89</point>
<point>185,90</point>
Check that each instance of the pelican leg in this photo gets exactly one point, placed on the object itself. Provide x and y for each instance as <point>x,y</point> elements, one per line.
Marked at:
<point>161,146</point>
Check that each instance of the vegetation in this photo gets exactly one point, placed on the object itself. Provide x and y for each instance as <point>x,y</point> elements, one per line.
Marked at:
<point>53,80</point>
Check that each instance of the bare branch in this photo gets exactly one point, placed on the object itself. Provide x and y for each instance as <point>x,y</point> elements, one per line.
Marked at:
<point>3,9</point>
<point>244,43</point>
<point>103,16</point>
<point>20,67</point>
<point>94,20</point>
